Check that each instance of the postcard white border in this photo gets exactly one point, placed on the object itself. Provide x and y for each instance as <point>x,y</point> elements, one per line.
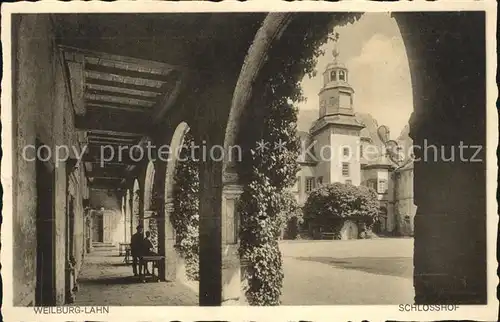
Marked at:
<point>240,313</point>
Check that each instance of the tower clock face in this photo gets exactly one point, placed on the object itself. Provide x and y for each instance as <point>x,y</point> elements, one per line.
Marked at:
<point>344,100</point>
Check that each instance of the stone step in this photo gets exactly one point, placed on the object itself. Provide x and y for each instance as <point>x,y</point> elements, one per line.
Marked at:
<point>104,246</point>
<point>99,244</point>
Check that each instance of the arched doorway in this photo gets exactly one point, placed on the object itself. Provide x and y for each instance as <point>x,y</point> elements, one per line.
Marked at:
<point>380,224</point>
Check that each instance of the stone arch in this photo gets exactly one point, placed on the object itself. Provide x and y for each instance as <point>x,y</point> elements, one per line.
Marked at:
<point>136,200</point>
<point>460,283</point>
<point>149,186</point>
<point>128,214</point>
<point>175,146</point>
<point>174,264</point>
<point>150,213</point>
<point>272,27</point>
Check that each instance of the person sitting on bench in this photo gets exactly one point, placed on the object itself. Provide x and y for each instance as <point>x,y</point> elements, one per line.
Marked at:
<point>136,249</point>
<point>147,250</point>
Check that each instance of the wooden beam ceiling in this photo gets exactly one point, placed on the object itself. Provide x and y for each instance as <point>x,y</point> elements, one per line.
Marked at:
<point>117,99</point>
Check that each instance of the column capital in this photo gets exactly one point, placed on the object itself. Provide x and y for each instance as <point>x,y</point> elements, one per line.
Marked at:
<point>230,174</point>
<point>169,205</point>
<point>232,190</point>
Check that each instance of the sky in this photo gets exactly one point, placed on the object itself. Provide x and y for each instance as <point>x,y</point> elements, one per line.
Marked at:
<point>373,51</point>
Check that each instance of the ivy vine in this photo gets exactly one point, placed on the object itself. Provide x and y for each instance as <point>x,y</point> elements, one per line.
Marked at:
<point>185,216</point>
<point>268,173</point>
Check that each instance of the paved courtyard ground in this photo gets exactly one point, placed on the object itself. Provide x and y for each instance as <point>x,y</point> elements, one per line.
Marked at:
<point>376,271</point>
<point>106,280</point>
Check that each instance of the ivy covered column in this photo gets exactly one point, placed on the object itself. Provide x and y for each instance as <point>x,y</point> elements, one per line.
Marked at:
<point>231,266</point>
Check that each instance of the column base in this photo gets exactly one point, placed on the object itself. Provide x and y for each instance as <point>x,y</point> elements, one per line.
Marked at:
<point>232,293</point>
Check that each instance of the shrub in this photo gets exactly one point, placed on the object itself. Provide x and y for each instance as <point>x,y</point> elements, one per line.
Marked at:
<point>331,204</point>
<point>290,215</point>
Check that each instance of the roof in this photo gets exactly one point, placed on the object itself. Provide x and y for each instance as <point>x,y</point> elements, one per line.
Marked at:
<point>306,142</point>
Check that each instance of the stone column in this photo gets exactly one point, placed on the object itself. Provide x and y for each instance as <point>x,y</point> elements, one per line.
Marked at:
<point>231,266</point>
<point>88,231</point>
<point>448,76</point>
<point>210,234</point>
<point>174,264</point>
<point>130,202</point>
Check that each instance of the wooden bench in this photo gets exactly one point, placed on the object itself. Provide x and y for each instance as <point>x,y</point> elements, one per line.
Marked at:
<point>327,235</point>
<point>156,261</point>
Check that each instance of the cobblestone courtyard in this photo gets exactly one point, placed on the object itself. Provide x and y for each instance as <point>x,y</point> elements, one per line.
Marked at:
<point>378,271</point>
<point>375,271</point>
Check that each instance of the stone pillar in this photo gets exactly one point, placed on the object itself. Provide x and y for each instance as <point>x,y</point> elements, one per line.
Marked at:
<point>449,90</point>
<point>231,267</point>
<point>142,221</point>
<point>174,269</point>
<point>131,214</point>
<point>210,293</point>
<point>88,231</point>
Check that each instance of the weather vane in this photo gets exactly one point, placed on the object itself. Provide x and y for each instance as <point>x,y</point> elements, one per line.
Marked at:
<point>335,53</point>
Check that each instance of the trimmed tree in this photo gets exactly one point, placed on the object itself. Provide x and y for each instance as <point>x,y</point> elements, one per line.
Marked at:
<point>331,205</point>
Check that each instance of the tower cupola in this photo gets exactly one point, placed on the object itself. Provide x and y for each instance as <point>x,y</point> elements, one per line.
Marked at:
<point>336,95</point>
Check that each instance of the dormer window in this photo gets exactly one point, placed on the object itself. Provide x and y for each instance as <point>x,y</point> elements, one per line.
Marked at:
<point>333,76</point>
<point>342,75</point>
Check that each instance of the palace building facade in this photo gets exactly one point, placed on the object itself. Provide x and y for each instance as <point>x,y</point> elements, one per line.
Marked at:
<point>344,146</point>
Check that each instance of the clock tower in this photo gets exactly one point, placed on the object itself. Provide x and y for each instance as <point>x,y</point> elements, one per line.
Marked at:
<point>336,95</point>
<point>337,131</point>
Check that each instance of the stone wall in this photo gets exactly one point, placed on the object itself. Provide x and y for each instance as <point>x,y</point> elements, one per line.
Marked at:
<point>40,111</point>
<point>405,208</point>
<point>113,217</point>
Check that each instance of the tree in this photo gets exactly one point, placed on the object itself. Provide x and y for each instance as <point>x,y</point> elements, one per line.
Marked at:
<point>330,205</point>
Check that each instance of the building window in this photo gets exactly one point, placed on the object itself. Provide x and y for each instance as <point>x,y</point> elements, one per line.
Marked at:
<point>309,184</point>
<point>361,151</point>
<point>342,75</point>
<point>333,76</point>
<point>372,184</point>
<point>382,186</point>
<point>320,181</point>
<point>345,169</point>
<point>348,181</point>
<point>345,151</point>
